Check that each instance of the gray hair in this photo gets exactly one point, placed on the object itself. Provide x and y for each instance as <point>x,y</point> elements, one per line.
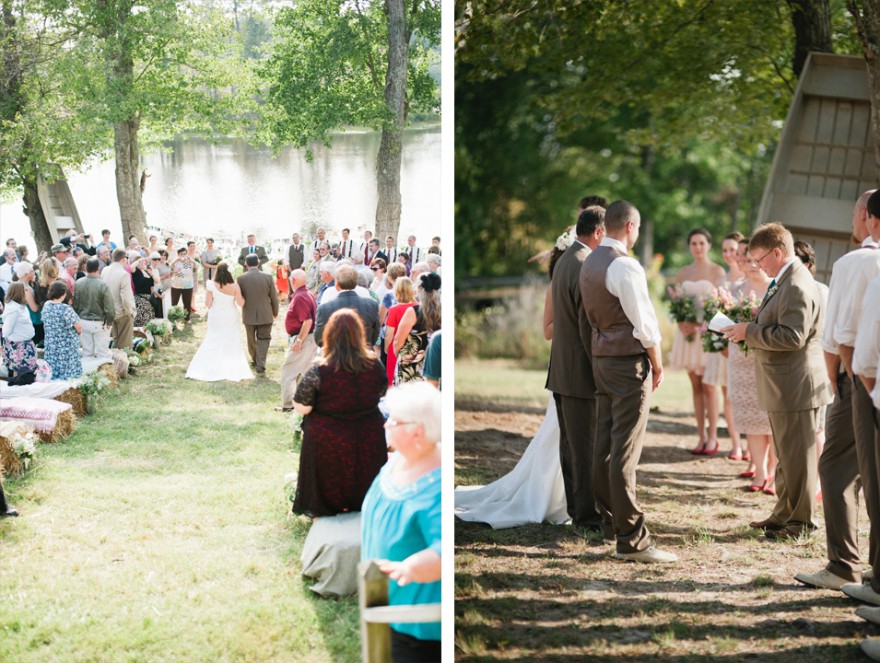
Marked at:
<point>346,277</point>
<point>417,403</point>
<point>22,269</point>
<point>328,267</point>
<point>433,259</point>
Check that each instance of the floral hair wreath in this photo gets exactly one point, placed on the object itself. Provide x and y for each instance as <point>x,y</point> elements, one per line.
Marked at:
<point>563,241</point>
<point>430,282</point>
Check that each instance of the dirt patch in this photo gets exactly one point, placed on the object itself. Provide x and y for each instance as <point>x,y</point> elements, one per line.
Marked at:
<point>551,593</point>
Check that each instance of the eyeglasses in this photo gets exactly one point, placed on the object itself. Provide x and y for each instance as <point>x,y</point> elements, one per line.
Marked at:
<point>761,259</point>
<point>376,269</point>
<point>392,423</point>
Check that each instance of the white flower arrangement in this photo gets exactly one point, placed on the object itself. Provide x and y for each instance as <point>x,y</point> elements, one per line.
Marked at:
<point>92,384</point>
<point>24,445</point>
<point>563,241</point>
<point>290,481</point>
<point>296,422</point>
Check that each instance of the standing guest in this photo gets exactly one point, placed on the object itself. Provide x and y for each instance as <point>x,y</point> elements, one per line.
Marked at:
<point>324,251</point>
<point>259,311</point>
<point>327,271</point>
<point>415,253</point>
<point>169,247</point>
<point>374,252</point>
<point>750,419</point>
<point>24,271</point>
<point>59,252</point>
<point>160,264</point>
<point>434,360</point>
<point>105,242</point>
<point>405,295</point>
<point>627,366</point>
<point>6,509</point>
<point>93,303</point>
<point>346,246</point>
<point>210,258</point>
<point>146,285</point>
<point>68,273</point>
<point>697,280</point>
<point>182,279</point>
<point>119,283</point>
<point>23,253</point>
<point>252,248</point>
<point>81,266</point>
<point>343,446</point>
<point>321,236</point>
<point>417,323</point>
<point>63,327</point>
<point>296,252</point>
<point>154,245</point>
<point>390,250</point>
<point>402,520</point>
<point>346,297</point>
<point>282,283</point>
<point>395,271</point>
<point>10,244</point>
<point>365,247</point>
<point>570,376</point>
<point>791,380</point>
<point>191,253</point>
<point>19,350</point>
<point>10,258</point>
<point>403,259</point>
<point>300,326</point>
<point>434,262</point>
<point>103,255</point>
<point>378,284</point>
<point>418,269</point>
<point>313,273</point>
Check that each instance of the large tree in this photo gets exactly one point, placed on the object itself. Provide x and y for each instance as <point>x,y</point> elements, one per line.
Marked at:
<point>336,64</point>
<point>42,126</point>
<point>866,14</point>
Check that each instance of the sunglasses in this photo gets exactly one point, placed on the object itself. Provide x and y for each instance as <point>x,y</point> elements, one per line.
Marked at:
<point>376,269</point>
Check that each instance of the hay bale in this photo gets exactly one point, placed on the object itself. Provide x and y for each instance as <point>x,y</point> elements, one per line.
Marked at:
<point>74,397</point>
<point>109,370</point>
<point>10,462</point>
<point>120,363</point>
<point>64,427</point>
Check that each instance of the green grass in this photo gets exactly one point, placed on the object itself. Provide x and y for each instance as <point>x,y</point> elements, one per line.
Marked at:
<point>159,531</point>
<point>503,381</point>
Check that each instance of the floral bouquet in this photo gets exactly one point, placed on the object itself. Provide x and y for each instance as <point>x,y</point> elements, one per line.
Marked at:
<point>175,314</point>
<point>682,307</point>
<point>744,310</point>
<point>159,327</point>
<point>26,448</point>
<point>717,300</point>
<point>296,422</point>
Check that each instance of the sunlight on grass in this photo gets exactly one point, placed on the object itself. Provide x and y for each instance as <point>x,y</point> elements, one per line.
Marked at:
<point>160,531</point>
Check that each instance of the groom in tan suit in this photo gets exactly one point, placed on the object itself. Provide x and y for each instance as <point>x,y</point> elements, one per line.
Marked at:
<point>259,311</point>
<point>791,378</point>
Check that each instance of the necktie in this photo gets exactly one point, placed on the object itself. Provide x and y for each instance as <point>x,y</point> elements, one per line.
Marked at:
<point>252,250</point>
<point>767,294</point>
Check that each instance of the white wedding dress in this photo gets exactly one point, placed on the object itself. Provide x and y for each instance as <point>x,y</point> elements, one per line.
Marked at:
<point>532,492</point>
<point>221,355</point>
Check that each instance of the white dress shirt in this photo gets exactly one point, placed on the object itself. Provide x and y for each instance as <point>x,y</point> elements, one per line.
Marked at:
<point>626,280</point>
<point>841,296</point>
<point>415,254</point>
<point>17,325</point>
<point>867,345</point>
<point>5,275</point>
<point>346,248</point>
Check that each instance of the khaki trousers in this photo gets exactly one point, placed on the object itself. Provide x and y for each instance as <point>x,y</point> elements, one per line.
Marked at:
<point>794,438</point>
<point>839,474</point>
<point>121,330</point>
<point>95,339</point>
<point>577,433</point>
<point>623,387</point>
<point>867,439</point>
<point>295,364</point>
<point>258,338</point>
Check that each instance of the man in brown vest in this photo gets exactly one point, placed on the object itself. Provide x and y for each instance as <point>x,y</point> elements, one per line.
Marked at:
<point>570,376</point>
<point>627,367</point>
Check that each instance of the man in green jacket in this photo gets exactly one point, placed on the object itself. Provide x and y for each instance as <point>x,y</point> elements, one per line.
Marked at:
<point>93,303</point>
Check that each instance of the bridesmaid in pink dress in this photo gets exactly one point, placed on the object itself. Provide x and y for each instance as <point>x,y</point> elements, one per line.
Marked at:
<point>698,280</point>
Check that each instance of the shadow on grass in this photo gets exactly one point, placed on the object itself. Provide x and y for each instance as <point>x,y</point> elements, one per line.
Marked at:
<point>476,405</point>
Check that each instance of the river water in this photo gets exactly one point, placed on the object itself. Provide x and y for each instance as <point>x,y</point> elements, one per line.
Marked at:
<point>229,189</point>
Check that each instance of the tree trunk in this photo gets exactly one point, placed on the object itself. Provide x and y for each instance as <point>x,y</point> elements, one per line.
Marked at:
<point>34,210</point>
<point>389,159</point>
<point>812,30</point>
<point>868,25</point>
<point>128,188</point>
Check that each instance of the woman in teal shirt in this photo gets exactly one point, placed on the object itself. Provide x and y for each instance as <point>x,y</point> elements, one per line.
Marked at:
<point>401,516</point>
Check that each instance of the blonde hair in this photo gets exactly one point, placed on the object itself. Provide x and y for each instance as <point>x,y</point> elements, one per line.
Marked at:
<point>404,292</point>
<point>48,272</point>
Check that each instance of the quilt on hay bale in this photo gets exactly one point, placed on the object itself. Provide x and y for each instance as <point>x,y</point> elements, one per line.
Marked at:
<point>52,420</point>
<point>12,433</point>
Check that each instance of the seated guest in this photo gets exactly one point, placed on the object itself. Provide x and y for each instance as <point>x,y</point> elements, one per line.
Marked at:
<point>62,328</point>
<point>19,351</point>
<point>343,445</point>
<point>401,516</point>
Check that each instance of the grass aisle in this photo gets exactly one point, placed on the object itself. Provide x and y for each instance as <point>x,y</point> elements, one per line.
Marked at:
<point>159,531</point>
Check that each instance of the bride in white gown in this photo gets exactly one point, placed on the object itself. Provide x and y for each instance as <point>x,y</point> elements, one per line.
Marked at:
<point>533,491</point>
<point>221,355</point>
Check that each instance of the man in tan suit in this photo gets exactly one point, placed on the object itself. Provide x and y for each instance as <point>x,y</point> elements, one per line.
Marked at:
<point>259,311</point>
<point>570,376</point>
<point>118,281</point>
<point>791,378</point>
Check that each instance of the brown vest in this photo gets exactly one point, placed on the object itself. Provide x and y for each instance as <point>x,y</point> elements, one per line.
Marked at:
<point>612,330</point>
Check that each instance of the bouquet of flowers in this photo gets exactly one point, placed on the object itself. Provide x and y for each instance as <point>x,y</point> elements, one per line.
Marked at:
<point>717,300</point>
<point>91,386</point>
<point>744,310</point>
<point>682,307</point>
<point>296,422</point>
<point>175,314</point>
<point>160,327</point>
<point>24,445</point>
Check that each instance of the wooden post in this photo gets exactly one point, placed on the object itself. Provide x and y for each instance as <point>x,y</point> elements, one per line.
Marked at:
<point>373,592</point>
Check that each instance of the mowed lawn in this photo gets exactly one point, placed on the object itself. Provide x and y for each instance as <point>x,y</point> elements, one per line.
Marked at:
<point>553,593</point>
<point>160,531</point>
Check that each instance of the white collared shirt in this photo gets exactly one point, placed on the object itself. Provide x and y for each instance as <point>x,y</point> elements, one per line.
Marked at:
<point>867,344</point>
<point>778,276</point>
<point>626,280</point>
<point>849,280</point>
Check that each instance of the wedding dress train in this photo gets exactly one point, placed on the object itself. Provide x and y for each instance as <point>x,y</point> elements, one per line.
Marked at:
<point>221,355</point>
<point>532,492</point>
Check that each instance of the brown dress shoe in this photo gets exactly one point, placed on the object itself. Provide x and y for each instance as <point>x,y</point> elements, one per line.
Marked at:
<point>765,525</point>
